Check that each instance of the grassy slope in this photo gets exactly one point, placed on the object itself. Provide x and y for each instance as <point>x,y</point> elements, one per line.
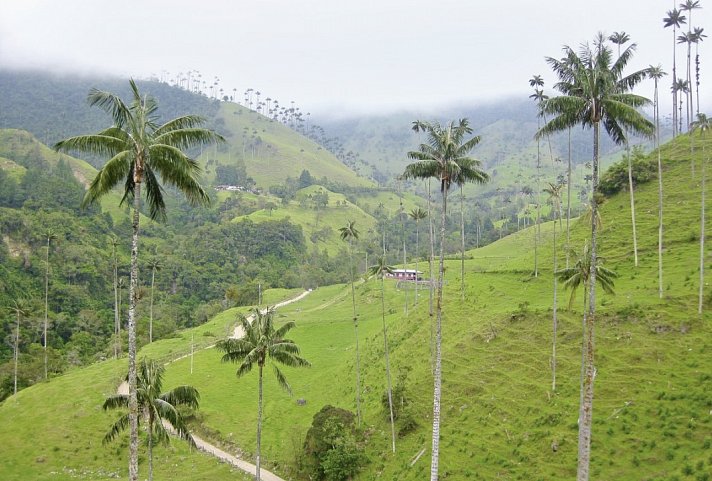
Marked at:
<point>19,143</point>
<point>14,170</point>
<point>332,216</point>
<point>283,152</point>
<point>500,418</point>
<point>48,434</point>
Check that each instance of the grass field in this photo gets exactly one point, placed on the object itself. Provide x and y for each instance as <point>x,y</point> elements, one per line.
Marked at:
<point>500,417</point>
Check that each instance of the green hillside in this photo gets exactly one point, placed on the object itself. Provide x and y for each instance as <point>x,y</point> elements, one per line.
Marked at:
<point>321,221</point>
<point>23,147</point>
<point>500,418</point>
<point>271,151</point>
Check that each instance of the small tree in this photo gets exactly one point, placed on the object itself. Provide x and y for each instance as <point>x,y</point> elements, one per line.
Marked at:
<point>380,270</point>
<point>155,408</point>
<point>331,448</point>
<point>20,308</point>
<point>262,342</point>
<point>348,234</point>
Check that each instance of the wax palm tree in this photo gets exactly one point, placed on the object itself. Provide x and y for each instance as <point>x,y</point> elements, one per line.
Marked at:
<point>349,233</point>
<point>140,151</point>
<point>403,216</point>
<point>698,37</point>
<point>702,125</point>
<point>683,86</point>
<point>50,236</point>
<point>688,6</point>
<point>620,38</point>
<point>656,73</point>
<point>445,157</point>
<point>538,97</point>
<point>261,343</point>
<point>688,39</point>
<point>155,407</point>
<point>20,308</point>
<point>579,274</point>
<point>674,19</point>
<point>594,91</point>
<point>417,215</point>
<point>469,172</point>
<point>380,270</point>
<point>554,193</point>
<point>155,265</point>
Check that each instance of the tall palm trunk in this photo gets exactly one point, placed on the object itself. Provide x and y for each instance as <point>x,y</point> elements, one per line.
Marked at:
<point>149,440</point>
<point>358,356</point>
<point>632,202</point>
<point>537,231</point>
<point>150,318</point>
<point>388,364</point>
<point>660,194</point>
<point>258,458</point>
<point>405,259</point>
<point>568,205</point>
<point>133,292</point>
<point>462,244</point>
<point>697,75</point>
<point>117,318</point>
<point>702,235</point>
<point>17,348</point>
<point>417,253</point>
<point>46,306</point>
<point>688,95</point>
<point>435,459</point>
<point>431,233</point>
<point>586,422</point>
<point>674,82</point>
<point>555,321</point>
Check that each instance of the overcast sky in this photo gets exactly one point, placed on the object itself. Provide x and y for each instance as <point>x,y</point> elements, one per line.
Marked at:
<point>338,56</point>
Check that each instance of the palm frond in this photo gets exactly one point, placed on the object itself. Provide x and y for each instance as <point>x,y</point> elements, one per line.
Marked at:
<point>182,396</point>
<point>117,168</point>
<point>282,380</point>
<point>120,425</point>
<point>188,137</point>
<point>116,402</point>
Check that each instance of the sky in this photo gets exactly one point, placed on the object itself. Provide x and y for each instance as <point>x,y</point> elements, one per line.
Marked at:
<point>339,58</point>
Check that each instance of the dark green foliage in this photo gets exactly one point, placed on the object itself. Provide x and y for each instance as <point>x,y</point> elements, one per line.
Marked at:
<point>331,450</point>
<point>615,179</point>
<point>305,179</point>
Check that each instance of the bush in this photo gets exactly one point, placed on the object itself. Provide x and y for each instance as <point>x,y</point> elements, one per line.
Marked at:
<point>331,450</point>
<point>615,179</point>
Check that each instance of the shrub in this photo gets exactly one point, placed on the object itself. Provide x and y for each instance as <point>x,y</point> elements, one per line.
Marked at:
<point>615,179</point>
<point>331,448</point>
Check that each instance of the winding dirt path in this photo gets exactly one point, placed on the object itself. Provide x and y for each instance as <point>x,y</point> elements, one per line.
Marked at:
<point>211,449</point>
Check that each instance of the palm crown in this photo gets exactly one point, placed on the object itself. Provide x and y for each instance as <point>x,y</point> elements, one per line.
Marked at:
<point>578,275</point>
<point>139,149</point>
<point>596,91</point>
<point>444,156</point>
<point>262,342</point>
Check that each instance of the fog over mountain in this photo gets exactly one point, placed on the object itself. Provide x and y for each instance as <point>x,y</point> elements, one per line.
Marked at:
<point>335,58</point>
